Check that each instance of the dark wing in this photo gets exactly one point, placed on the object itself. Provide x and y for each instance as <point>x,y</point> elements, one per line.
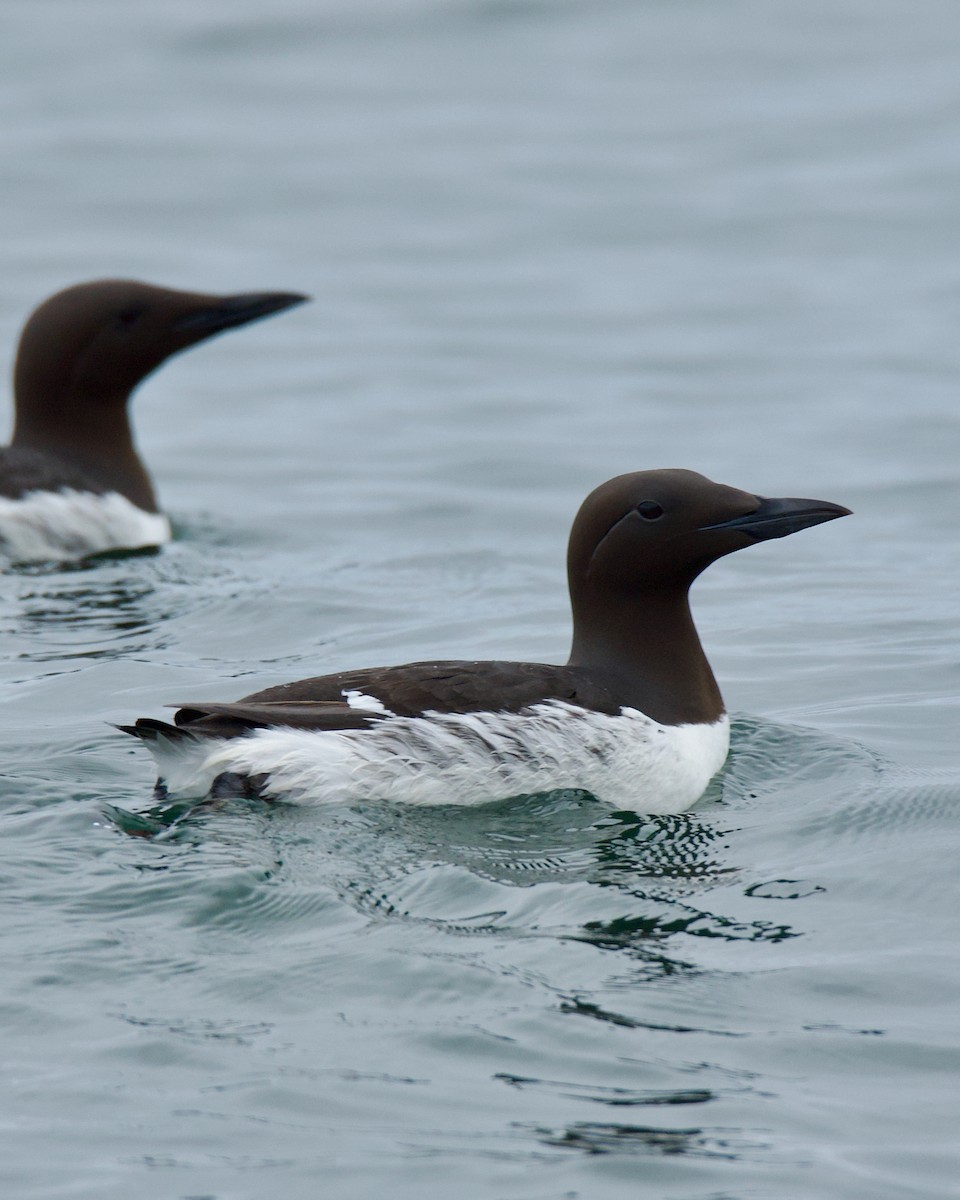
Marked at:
<point>234,720</point>
<point>405,691</point>
<point>292,714</point>
<point>448,687</point>
<point>23,470</point>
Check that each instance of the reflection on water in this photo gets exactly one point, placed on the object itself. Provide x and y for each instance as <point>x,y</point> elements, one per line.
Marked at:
<point>90,563</point>
<point>645,873</point>
<point>595,1137</point>
<point>678,847</point>
<point>93,609</point>
<point>615,1097</point>
<point>636,932</point>
<point>561,835</point>
<point>111,607</point>
<point>583,1008</point>
<point>86,622</point>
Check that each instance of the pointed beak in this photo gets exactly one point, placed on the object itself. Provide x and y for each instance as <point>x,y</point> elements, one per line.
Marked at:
<point>778,518</point>
<point>228,312</point>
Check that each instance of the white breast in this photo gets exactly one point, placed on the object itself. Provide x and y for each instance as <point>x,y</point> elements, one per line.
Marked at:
<point>627,760</point>
<point>45,526</point>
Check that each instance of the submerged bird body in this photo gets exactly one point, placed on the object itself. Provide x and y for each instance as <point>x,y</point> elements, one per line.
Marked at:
<point>71,481</point>
<point>635,715</point>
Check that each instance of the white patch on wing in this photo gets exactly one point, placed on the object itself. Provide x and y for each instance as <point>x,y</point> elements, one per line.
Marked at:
<point>50,526</point>
<point>357,699</point>
<point>627,760</point>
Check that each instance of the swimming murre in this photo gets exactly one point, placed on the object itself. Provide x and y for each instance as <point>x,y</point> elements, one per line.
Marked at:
<point>71,480</point>
<point>634,717</point>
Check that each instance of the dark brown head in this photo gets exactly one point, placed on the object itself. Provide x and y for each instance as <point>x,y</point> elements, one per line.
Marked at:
<point>85,349</point>
<point>651,529</point>
<point>637,544</point>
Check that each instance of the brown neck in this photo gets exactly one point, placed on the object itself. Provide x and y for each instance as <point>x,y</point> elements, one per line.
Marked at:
<point>647,645</point>
<point>94,437</point>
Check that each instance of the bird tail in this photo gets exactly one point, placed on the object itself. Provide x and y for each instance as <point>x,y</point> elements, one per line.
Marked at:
<point>150,731</point>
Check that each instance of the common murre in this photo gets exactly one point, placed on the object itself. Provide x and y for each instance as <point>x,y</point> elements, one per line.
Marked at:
<point>635,716</point>
<point>71,480</point>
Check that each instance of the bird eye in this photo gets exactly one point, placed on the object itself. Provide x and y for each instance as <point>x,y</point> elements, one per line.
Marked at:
<point>129,316</point>
<point>650,510</point>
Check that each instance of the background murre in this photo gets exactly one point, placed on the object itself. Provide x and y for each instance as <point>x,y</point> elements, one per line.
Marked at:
<point>71,481</point>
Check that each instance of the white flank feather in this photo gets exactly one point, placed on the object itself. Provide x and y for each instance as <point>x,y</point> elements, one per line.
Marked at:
<point>50,526</point>
<point>627,760</point>
<point>357,699</point>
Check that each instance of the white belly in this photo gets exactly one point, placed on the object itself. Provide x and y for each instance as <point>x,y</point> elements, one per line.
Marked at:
<point>627,761</point>
<point>51,526</point>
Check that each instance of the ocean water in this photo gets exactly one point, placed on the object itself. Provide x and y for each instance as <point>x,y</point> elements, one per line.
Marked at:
<point>547,242</point>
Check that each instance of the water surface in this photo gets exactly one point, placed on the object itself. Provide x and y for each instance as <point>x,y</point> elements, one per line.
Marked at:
<point>548,242</point>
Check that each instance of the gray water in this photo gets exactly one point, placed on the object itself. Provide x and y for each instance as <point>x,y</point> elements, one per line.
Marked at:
<point>548,242</point>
